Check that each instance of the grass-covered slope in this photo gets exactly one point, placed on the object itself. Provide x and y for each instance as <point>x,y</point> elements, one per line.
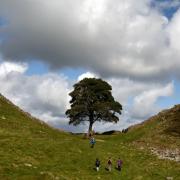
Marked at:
<point>161,131</point>
<point>29,149</point>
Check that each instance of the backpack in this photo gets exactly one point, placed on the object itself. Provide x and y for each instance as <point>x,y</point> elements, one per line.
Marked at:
<point>97,162</point>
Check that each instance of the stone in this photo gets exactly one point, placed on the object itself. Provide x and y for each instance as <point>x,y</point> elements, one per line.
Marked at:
<point>169,178</point>
<point>28,165</point>
<point>3,117</point>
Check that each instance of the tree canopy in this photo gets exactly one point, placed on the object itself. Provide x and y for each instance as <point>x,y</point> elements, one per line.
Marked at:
<point>91,100</point>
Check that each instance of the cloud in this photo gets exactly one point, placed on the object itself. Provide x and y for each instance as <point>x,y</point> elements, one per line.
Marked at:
<point>87,75</point>
<point>44,96</point>
<point>8,67</point>
<point>125,89</point>
<point>112,38</point>
<point>174,33</point>
<point>144,103</point>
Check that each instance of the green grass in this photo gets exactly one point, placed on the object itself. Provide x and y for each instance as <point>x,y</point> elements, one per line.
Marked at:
<point>30,149</point>
<point>161,131</point>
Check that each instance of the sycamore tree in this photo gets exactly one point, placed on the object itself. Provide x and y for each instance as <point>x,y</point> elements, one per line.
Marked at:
<point>91,100</point>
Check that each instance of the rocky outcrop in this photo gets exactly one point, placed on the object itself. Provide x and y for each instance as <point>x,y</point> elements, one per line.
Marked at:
<point>173,155</point>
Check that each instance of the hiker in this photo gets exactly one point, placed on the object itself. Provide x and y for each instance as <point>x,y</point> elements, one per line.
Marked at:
<point>119,164</point>
<point>92,141</point>
<point>97,164</point>
<point>109,164</point>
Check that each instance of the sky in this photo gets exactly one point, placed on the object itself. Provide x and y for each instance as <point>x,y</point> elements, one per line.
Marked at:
<point>47,46</point>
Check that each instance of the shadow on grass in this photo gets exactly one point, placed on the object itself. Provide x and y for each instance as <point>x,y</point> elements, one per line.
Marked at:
<point>118,169</point>
<point>94,169</point>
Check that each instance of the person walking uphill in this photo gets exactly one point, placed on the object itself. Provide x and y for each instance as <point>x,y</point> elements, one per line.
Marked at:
<point>92,142</point>
<point>97,164</point>
<point>109,164</point>
<point>119,164</point>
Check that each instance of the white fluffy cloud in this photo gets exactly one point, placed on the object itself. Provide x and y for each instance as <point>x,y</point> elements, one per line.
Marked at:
<point>87,75</point>
<point>44,96</point>
<point>7,67</point>
<point>144,103</point>
<point>113,38</point>
<point>174,32</point>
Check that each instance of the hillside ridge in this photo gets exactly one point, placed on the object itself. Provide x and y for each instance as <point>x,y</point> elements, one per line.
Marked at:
<point>27,114</point>
<point>160,134</point>
<point>20,110</point>
<point>169,116</point>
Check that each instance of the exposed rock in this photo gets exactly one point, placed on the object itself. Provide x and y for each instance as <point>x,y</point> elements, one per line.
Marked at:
<point>50,175</point>
<point>169,178</point>
<point>27,164</point>
<point>141,148</point>
<point>173,155</point>
<point>3,117</point>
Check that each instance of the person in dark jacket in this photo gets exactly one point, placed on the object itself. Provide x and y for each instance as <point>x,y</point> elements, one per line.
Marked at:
<point>97,164</point>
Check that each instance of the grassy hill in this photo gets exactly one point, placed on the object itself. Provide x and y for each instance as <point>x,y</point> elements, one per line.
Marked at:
<point>30,149</point>
<point>161,131</point>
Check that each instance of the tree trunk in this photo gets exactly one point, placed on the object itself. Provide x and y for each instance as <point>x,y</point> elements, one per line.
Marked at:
<point>90,127</point>
<point>91,121</point>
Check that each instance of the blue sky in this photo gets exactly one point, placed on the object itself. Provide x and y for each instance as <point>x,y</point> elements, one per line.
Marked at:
<point>49,45</point>
<point>167,7</point>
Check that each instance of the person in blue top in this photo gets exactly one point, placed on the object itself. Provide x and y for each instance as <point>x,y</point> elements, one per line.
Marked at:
<point>92,142</point>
